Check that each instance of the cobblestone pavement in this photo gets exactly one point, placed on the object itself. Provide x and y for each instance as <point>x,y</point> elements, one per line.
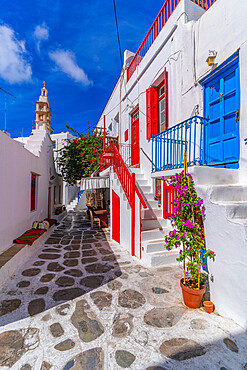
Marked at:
<point>82,302</point>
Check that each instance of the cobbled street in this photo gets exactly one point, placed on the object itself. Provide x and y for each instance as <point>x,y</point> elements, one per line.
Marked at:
<point>82,302</point>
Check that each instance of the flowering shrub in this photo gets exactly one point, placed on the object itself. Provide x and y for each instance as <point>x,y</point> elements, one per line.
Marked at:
<point>187,233</point>
<point>80,157</point>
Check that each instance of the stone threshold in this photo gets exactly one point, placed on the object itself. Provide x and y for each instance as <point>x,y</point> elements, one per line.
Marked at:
<point>17,254</point>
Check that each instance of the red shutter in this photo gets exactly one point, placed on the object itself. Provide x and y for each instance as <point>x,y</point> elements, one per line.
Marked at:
<point>149,112</point>
<point>33,192</point>
<point>126,135</point>
<point>166,98</point>
<point>155,112</point>
<point>152,112</point>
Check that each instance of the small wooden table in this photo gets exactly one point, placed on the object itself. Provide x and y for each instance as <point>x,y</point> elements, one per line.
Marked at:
<point>102,214</point>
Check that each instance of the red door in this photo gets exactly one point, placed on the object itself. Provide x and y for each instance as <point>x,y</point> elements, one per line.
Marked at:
<point>135,149</point>
<point>115,217</point>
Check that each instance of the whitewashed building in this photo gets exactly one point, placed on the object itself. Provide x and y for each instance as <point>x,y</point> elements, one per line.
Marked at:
<point>186,85</point>
<point>69,191</point>
<point>30,188</point>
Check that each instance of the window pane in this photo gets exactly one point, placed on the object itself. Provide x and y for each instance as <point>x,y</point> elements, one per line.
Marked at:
<point>162,111</point>
<point>161,90</point>
<point>135,116</point>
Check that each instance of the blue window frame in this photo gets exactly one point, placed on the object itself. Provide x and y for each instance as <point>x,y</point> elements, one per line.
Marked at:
<point>222,107</point>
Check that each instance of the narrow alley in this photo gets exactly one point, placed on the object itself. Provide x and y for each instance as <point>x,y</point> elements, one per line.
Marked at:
<point>82,302</point>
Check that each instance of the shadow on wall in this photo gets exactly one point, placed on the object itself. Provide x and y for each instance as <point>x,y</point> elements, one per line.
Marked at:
<point>74,260</point>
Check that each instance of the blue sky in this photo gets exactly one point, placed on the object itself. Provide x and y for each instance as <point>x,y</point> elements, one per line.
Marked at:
<point>72,45</point>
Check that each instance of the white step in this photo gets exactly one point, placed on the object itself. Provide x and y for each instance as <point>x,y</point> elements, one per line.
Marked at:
<point>149,196</point>
<point>139,176</point>
<point>136,170</point>
<point>151,246</point>
<point>142,182</point>
<point>225,194</point>
<point>153,234</point>
<point>152,203</point>
<point>146,189</point>
<point>236,210</point>
<point>160,258</point>
<point>151,213</point>
<point>155,223</point>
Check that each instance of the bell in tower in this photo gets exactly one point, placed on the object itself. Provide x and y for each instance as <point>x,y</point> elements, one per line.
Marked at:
<point>43,114</point>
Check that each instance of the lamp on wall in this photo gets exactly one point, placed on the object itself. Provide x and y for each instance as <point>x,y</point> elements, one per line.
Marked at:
<point>211,57</point>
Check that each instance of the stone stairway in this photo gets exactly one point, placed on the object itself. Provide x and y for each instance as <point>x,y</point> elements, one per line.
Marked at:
<point>226,234</point>
<point>153,228</point>
<point>72,205</point>
<point>233,199</point>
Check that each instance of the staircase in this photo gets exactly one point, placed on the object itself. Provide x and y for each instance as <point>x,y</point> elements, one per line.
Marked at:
<point>72,205</point>
<point>226,234</point>
<point>153,228</point>
<point>232,200</point>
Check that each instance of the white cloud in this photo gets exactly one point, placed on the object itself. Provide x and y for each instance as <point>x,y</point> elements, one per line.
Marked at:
<point>41,33</point>
<point>14,66</point>
<point>66,62</point>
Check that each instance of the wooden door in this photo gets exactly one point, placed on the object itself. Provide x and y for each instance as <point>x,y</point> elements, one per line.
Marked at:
<point>222,106</point>
<point>135,148</point>
<point>115,217</point>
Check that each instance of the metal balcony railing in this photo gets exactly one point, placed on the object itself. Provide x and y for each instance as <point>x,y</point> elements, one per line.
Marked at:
<point>159,22</point>
<point>168,146</point>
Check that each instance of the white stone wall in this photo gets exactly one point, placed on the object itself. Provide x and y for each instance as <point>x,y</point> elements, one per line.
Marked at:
<point>16,165</point>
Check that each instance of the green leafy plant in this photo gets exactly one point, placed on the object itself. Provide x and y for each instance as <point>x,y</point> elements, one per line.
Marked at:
<point>80,157</point>
<point>187,233</point>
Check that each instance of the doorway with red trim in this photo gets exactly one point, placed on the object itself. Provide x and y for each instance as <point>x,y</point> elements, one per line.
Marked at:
<point>135,146</point>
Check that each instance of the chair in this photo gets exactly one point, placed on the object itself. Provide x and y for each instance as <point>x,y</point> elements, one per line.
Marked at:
<point>90,199</point>
<point>94,219</point>
<point>99,201</point>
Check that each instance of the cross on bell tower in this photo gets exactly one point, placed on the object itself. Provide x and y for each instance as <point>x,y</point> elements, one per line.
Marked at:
<point>43,114</point>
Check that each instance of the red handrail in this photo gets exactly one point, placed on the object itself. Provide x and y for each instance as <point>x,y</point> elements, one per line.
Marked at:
<point>159,22</point>
<point>123,174</point>
<point>106,158</point>
<point>127,181</point>
<point>112,157</point>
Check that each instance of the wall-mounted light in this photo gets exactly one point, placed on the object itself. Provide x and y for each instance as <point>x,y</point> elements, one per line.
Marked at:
<point>211,57</point>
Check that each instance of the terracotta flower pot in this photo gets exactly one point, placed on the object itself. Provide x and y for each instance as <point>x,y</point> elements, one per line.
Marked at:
<point>192,297</point>
<point>209,306</point>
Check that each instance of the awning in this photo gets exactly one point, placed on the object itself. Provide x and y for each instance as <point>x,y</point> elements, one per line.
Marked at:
<point>90,183</point>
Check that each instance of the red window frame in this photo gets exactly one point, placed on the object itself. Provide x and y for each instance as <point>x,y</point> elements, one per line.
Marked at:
<point>157,189</point>
<point>135,138</point>
<point>33,192</point>
<point>152,107</point>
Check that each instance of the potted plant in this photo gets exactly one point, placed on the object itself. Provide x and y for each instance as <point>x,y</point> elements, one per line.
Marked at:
<point>189,237</point>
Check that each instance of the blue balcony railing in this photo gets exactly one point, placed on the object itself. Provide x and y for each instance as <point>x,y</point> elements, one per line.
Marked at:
<point>79,194</point>
<point>168,146</point>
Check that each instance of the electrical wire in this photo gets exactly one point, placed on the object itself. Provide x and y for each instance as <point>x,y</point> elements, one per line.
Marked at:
<point>118,37</point>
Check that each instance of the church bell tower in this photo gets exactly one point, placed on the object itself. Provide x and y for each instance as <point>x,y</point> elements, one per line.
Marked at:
<point>43,114</point>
